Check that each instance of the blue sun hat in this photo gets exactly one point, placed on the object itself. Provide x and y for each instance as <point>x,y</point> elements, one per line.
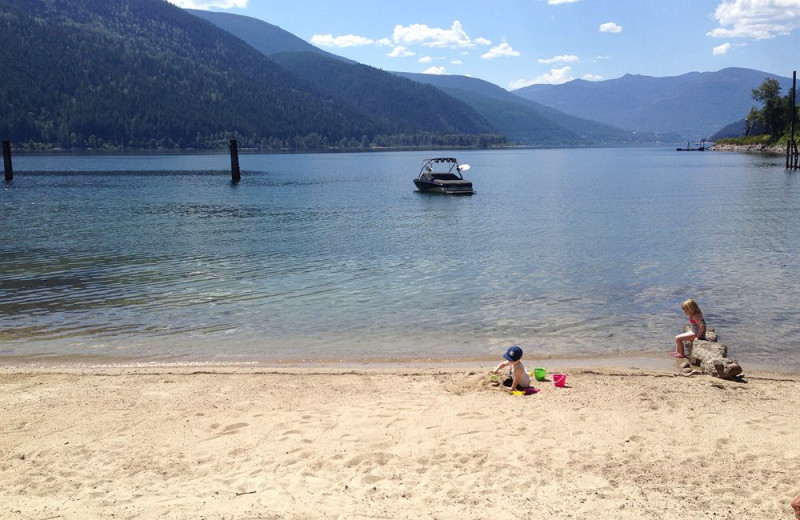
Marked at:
<point>513,353</point>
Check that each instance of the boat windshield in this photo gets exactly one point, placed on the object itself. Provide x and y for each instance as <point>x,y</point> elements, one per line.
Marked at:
<point>440,165</point>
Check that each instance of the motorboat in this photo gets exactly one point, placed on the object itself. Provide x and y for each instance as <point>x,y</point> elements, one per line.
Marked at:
<point>443,175</point>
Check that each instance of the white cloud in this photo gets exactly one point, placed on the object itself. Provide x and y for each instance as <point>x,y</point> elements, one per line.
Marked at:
<point>208,4</point>
<point>592,77</point>
<point>482,41</point>
<point>421,34</point>
<point>503,49</point>
<point>564,58</point>
<point>348,40</point>
<point>521,83</point>
<point>434,70</point>
<point>457,62</point>
<point>400,52</point>
<point>554,77</point>
<point>425,59</point>
<point>757,19</point>
<point>610,27</point>
<point>722,49</point>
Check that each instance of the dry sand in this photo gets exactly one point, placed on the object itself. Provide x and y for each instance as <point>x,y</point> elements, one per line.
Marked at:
<point>296,443</point>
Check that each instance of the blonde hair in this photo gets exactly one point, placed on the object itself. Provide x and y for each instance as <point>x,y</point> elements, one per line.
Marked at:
<point>691,306</point>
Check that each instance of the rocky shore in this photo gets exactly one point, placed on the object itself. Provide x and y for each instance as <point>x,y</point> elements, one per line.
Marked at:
<point>750,148</point>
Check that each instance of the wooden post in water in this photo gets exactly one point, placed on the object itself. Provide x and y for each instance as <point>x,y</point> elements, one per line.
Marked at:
<point>7,160</point>
<point>236,175</point>
<point>792,155</point>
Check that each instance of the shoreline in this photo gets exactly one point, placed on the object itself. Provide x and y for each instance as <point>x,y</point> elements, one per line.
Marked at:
<point>619,361</point>
<point>406,443</point>
<point>749,148</point>
<point>643,359</point>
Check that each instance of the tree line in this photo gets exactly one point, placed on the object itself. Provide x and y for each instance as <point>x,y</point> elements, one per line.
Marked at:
<point>776,111</point>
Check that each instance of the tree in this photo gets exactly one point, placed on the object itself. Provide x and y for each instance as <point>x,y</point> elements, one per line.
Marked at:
<point>775,113</point>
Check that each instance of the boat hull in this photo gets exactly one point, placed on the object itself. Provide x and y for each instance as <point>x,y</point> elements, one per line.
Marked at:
<point>446,187</point>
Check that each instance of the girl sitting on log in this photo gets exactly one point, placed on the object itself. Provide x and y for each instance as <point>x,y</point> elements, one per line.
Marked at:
<point>698,324</point>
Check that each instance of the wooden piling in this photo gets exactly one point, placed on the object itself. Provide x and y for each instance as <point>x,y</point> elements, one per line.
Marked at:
<point>7,160</point>
<point>236,175</point>
<point>792,155</point>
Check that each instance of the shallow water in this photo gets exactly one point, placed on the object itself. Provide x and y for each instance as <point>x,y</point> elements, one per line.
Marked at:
<point>336,257</point>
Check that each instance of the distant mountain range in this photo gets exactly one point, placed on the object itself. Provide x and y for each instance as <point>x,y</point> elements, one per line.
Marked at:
<point>520,120</point>
<point>524,121</point>
<point>693,105</point>
<point>146,74</point>
<point>629,109</point>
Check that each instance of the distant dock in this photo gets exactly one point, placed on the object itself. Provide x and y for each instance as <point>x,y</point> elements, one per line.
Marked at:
<point>701,148</point>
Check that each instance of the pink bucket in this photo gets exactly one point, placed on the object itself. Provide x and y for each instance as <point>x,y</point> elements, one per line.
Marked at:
<point>560,380</point>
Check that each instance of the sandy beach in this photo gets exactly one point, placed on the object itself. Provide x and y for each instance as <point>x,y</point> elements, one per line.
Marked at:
<point>401,443</point>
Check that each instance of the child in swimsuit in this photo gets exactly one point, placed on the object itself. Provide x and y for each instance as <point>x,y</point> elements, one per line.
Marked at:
<point>518,379</point>
<point>698,324</point>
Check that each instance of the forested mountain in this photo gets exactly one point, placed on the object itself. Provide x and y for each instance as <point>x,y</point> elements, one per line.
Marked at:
<point>691,106</point>
<point>262,36</point>
<point>403,107</point>
<point>524,121</point>
<point>400,104</point>
<point>394,99</point>
<point>146,74</point>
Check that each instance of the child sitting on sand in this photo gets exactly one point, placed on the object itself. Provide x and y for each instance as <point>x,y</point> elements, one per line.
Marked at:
<point>518,378</point>
<point>698,324</point>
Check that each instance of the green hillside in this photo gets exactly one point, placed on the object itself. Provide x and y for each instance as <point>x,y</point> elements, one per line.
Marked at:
<point>119,74</point>
<point>414,114</point>
<point>262,36</point>
<point>404,104</point>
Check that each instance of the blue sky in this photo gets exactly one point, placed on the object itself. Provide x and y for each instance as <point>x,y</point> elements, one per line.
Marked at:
<point>515,43</point>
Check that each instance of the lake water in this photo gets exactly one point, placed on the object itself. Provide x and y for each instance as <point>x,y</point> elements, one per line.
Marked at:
<point>333,257</point>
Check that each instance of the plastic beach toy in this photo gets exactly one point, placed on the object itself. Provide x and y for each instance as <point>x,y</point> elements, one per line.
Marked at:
<point>560,380</point>
<point>540,374</point>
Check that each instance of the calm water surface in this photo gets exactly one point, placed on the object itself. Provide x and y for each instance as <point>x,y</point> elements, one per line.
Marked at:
<point>337,257</point>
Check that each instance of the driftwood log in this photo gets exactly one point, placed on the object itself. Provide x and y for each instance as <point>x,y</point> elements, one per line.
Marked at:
<point>712,357</point>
